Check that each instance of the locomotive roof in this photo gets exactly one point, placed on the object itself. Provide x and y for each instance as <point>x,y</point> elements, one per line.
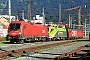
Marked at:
<point>22,21</point>
<point>17,21</point>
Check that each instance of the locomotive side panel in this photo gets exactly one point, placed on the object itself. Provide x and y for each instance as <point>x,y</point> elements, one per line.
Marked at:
<point>57,32</point>
<point>40,30</point>
<point>72,33</point>
<point>79,33</point>
<point>28,30</point>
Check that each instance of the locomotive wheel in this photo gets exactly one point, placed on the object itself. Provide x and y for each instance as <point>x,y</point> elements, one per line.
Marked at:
<point>11,41</point>
<point>21,41</point>
<point>44,39</point>
<point>50,39</point>
<point>63,38</point>
<point>54,39</point>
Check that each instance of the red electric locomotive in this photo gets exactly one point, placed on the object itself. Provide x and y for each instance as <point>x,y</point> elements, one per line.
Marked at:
<point>20,31</point>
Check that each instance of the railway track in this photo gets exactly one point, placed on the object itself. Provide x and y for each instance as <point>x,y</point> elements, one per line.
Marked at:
<point>62,50</point>
<point>83,54</point>
<point>61,53</point>
<point>13,50</point>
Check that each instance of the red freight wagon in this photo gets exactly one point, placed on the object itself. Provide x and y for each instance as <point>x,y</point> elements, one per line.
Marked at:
<point>20,31</point>
<point>75,33</point>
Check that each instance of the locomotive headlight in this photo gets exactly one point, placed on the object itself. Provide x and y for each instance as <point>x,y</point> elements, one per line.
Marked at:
<point>20,33</point>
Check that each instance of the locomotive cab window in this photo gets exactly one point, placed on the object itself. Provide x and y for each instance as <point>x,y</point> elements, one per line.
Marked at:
<point>51,30</point>
<point>15,26</point>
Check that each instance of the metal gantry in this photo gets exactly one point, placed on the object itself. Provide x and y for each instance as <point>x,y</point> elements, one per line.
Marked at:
<point>79,13</point>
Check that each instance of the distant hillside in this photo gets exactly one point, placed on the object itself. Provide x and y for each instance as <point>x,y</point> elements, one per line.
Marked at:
<point>51,8</point>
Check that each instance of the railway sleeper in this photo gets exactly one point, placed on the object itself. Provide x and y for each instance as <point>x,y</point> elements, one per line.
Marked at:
<point>14,54</point>
<point>60,57</point>
<point>2,54</point>
<point>26,51</point>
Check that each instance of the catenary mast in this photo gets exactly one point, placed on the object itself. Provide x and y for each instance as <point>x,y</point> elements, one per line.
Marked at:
<point>43,16</point>
<point>29,11</point>
<point>9,10</point>
<point>59,13</point>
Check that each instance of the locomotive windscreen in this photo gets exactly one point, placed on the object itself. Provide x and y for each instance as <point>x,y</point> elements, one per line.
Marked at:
<point>14,26</point>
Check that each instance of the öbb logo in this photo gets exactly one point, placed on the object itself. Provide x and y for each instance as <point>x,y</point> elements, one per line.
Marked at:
<point>74,33</point>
